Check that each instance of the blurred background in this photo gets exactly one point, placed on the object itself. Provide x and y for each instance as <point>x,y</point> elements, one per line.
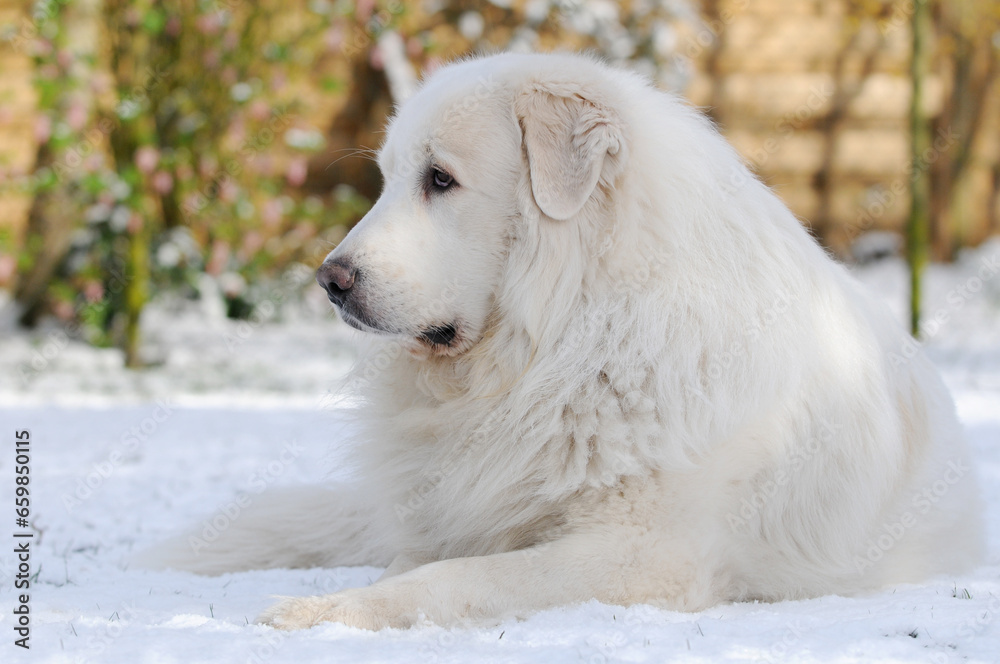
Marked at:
<point>211,152</point>
<point>172,172</point>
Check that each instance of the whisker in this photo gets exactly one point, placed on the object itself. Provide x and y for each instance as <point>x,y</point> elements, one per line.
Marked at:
<point>365,153</point>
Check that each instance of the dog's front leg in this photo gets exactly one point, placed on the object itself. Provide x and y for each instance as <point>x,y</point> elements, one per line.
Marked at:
<point>404,562</point>
<point>569,570</point>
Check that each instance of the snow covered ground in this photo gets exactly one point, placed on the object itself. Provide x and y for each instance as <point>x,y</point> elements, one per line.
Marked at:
<point>120,460</point>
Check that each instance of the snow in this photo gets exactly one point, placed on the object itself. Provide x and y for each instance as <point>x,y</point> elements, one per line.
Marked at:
<point>120,460</point>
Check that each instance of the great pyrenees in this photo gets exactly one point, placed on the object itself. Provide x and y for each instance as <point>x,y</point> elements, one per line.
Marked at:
<point>605,361</point>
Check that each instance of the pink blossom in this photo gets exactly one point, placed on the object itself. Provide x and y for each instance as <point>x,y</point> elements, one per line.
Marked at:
<point>63,310</point>
<point>93,163</point>
<point>262,164</point>
<point>8,266</point>
<point>76,116</point>
<point>296,171</point>
<point>305,229</point>
<point>237,131</point>
<point>333,38</point>
<point>207,166</point>
<point>100,82</point>
<point>259,110</point>
<point>218,257</point>
<point>414,47</point>
<point>271,213</point>
<point>432,63</point>
<point>163,182</point>
<point>146,158</point>
<point>41,48</point>
<point>376,58</point>
<point>93,291</point>
<point>252,242</point>
<point>208,24</point>
<point>135,223</point>
<point>228,191</point>
<point>43,128</point>
<point>195,202</point>
<point>173,26</point>
<point>363,10</point>
<point>211,58</point>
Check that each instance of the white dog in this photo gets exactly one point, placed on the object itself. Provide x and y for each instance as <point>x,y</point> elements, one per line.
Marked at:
<point>607,362</point>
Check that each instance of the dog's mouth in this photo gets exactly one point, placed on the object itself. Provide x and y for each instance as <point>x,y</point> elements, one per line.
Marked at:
<point>439,335</point>
<point>359,320</point>
<point>443,339</point>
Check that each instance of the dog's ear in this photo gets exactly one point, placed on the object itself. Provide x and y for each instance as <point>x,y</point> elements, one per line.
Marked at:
<point>568,138</point>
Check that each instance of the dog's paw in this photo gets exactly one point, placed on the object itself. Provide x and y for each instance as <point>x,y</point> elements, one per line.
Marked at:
<point>349,607</point>
<point>298,612</point>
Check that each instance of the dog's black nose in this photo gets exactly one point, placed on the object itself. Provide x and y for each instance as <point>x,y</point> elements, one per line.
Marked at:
<point>337,278</point>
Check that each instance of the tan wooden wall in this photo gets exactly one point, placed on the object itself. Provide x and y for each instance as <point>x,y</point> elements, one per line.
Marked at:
<point>17,112</point>
<point>818,103</point>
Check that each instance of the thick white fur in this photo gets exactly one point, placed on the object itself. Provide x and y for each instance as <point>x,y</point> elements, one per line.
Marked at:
<point>662,390</point>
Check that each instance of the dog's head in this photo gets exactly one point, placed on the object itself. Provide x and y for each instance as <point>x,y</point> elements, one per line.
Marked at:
<point>483,146</point>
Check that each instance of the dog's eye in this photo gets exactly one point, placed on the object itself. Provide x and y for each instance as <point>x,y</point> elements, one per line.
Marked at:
<point>441,180</point>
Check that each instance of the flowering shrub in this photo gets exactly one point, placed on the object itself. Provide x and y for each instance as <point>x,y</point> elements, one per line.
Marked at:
<point>192,138</point>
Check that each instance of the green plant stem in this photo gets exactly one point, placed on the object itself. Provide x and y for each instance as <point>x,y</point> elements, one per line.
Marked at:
<point>918,224</point>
